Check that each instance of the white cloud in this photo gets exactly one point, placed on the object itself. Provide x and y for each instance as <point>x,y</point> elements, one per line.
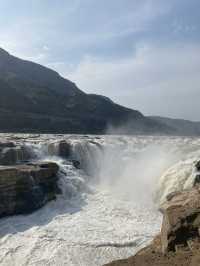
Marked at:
<point>155,79</point>
<point>25,37</point>
<point>162,81</point>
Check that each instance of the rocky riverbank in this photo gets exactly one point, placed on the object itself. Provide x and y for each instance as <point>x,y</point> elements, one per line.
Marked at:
<point>178,243</point>
<point>24,186</point>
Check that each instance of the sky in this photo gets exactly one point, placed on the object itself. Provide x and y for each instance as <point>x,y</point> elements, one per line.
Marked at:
<point>144,54</point>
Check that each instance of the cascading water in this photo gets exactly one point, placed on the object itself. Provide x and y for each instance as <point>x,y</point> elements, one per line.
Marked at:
<point>89,154</point>
<point>108,205</point>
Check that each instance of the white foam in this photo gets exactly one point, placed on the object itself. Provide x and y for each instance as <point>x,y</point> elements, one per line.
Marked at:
<point>106,216</point>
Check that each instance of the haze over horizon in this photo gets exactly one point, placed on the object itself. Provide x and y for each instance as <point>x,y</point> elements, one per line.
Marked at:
<point>142,54</point>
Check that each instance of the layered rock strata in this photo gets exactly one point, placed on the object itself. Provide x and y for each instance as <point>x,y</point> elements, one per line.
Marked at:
<point>10,153</point>
<point>24,186</point>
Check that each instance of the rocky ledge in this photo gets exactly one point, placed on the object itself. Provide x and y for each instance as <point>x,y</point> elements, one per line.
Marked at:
<point>24,187</point>
<point>178,244</point>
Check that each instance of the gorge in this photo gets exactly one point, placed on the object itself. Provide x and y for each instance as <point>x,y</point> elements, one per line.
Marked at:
<point>100,209</point>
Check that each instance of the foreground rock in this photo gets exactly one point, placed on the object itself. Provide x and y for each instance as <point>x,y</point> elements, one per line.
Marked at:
<point>152,256</point>
<point>181,219</point>
<point>25,188</point>
<point>179,241</point>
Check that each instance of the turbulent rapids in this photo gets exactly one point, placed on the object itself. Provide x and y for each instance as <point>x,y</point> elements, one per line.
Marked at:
<point>111,189</point>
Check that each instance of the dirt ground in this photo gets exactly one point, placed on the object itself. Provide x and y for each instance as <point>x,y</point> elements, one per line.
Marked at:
<point>152,256</point>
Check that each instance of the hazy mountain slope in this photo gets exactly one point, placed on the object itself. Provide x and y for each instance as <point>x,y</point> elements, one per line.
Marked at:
<point>180,126</point>
<point>35,98</point>
<point>13,68</point>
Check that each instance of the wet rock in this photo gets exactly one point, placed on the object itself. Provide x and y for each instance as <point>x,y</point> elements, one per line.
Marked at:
<point>61,148</point>
<point>181,219</point>
<point>96,143</point>
<point>25,188</point>
<point>6,145</point>
<point>197,165</point>
<point>196,180</point>
<point>64,149</point>
<point>76,164</point>
<point>11,154</point>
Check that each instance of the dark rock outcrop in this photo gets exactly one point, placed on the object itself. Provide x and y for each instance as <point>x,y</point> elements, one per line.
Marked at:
<point>25,188</point>
<point>6,144</point>
<point>197,166</point>
<point>76,164</point>
<point>197,177</point>
<point>13,155</point>
<point>61,148</point>
<point>197,180</point>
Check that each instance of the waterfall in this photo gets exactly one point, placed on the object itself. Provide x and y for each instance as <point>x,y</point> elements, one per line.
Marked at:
<point>125,165</point>
<point>72,181</point>
<point>38,150</point>
<point>89,154</point>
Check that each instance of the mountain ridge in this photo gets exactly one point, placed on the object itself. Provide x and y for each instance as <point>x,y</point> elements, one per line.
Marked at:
<point>181,127</point>
<point>35,98</point>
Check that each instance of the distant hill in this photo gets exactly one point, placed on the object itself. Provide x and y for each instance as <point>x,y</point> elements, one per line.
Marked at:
<point>34,98</point>
<point>179,127</point>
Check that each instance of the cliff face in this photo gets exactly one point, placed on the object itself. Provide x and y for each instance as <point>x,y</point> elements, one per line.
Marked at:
<point>24,187</point>
<point>179,241</point>
<point>181,220</point>
<point>35,98</point>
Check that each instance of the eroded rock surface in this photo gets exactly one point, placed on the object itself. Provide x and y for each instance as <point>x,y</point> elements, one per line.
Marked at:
<point>181,219</point>
<point>24,188</point>
<point>10,153</point>
<point>61,148</point>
